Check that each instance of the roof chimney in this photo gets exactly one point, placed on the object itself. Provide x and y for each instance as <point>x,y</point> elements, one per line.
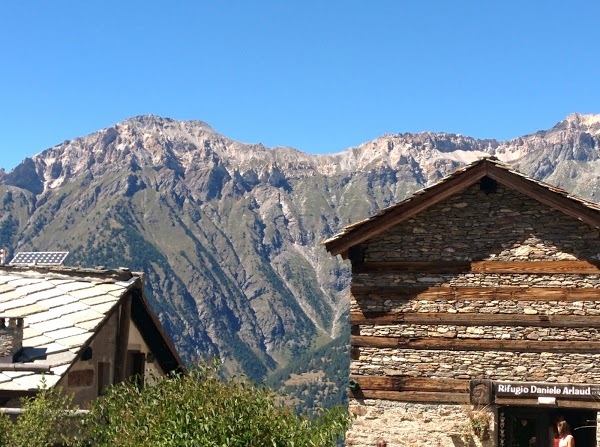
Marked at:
<point>3,253</point>
<point>11,338</point>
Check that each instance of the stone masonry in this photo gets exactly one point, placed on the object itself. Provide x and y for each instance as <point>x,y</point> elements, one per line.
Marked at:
<point>505,225</point>
<point>11,338</point>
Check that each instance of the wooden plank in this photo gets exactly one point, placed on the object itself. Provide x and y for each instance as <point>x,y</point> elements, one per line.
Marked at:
<point>476,293</point>
<point>404,383</point>
<point>412,396</point>
<point>405,210</point>
<point>475,344</point>
<point>123,338</point>
<point>512,267</point>
<point>473,319</point>
<point>560,403</point>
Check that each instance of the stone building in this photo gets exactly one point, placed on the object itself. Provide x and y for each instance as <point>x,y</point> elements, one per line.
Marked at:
<point>475,314</point>
<point>79,329</point>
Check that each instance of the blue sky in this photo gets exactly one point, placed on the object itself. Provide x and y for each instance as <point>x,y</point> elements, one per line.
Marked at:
<point>320,76</point>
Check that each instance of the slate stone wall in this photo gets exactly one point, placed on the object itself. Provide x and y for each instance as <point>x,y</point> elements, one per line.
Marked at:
<point>471,226</point>
<point>506,225</point>
<point>416,425</point>
<point>447,331</point>
<point>496,365</point>
<point>11,338</point>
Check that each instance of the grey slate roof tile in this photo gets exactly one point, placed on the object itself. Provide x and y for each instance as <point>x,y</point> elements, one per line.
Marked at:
<point>89,324</point>
<point>57,301</point>
<point>86,293</point>
<point>61,358</point>
<point>36,341</point>
<point>48,293</point>
<point>24,311</point>
<point>76,340</point>
<point>15,374</point>
<point>29,332</point>
<point>59,281</point>
<point>61,311</point>
<point>20,281</point>
<point>6,288</point>
<point>49,325</point>
<point>74,285</point>
<point>103,308</point>
<point>70,308</point>
<point>37,287</point>
<point>66,332</point>
<point>98,300</point>
<point>22,301</point>
<point>109,287</point>
<point>46,315</point>
<point>11,295</point>
<point>34,381</point>
<point>83,315</point>
<point>60,370</point>
<point>52,348</point>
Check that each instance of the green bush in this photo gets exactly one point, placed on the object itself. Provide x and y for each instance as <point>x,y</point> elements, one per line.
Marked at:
<point>47,420</point>
<point>199,409</point>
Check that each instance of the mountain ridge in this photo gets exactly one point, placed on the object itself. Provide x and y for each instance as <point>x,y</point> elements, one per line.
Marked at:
<point>228,233</point>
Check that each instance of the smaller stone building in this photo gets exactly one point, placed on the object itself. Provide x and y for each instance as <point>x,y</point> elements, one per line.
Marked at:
<point>80,329</point>
<point>475,314</point>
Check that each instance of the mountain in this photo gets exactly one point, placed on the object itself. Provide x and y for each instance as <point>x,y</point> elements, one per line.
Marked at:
<point>229,233</point>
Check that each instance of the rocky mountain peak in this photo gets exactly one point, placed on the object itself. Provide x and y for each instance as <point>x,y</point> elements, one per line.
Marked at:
<point>194,146</point>
<point>228,233</point>
<point>589,122</point>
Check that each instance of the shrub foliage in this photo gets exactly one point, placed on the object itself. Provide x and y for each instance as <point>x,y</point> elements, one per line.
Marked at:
<point>199,409</point>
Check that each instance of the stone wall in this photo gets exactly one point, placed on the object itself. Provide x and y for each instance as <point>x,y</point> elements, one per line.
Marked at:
<point>496,365</point>
<point>506,225</point>
<point>475,306</point>
<point>476,280</point>
<point>415,425</point>
<point>481,332</point>
<point>470,226</point>
<point>11,338</point>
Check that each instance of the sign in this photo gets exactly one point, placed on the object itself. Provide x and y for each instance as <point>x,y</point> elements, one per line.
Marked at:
<point>563,390</point>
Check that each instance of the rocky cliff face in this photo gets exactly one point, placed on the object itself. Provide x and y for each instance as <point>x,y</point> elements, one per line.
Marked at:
<point>228,233</point>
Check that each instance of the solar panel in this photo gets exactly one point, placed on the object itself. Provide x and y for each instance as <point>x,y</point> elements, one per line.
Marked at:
<point>39,258</point>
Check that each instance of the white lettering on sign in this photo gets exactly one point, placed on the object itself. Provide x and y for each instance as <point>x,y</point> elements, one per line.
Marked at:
<point>542,389</point>
<point>552,390</point>
<point>571,390</point>
<point>516,390</point>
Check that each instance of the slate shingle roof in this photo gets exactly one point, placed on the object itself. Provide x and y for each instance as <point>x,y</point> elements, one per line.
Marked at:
<point>62,308</point>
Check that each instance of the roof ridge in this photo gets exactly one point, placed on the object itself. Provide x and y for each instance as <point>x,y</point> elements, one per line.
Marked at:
<point>120,274</point>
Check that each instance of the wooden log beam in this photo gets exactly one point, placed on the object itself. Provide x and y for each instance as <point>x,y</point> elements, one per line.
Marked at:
<point>412,396</point>
<point>404,383</point>
<point>512,267</point>
<point>475,344</point>
<point>560,403</point>
<point>473,319</point>
<point>475,293</point>
<point>122,338</point>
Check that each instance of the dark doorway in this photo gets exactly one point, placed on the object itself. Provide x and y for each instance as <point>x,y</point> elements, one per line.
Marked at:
<point>534,427</point>
<point>136,364</point>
